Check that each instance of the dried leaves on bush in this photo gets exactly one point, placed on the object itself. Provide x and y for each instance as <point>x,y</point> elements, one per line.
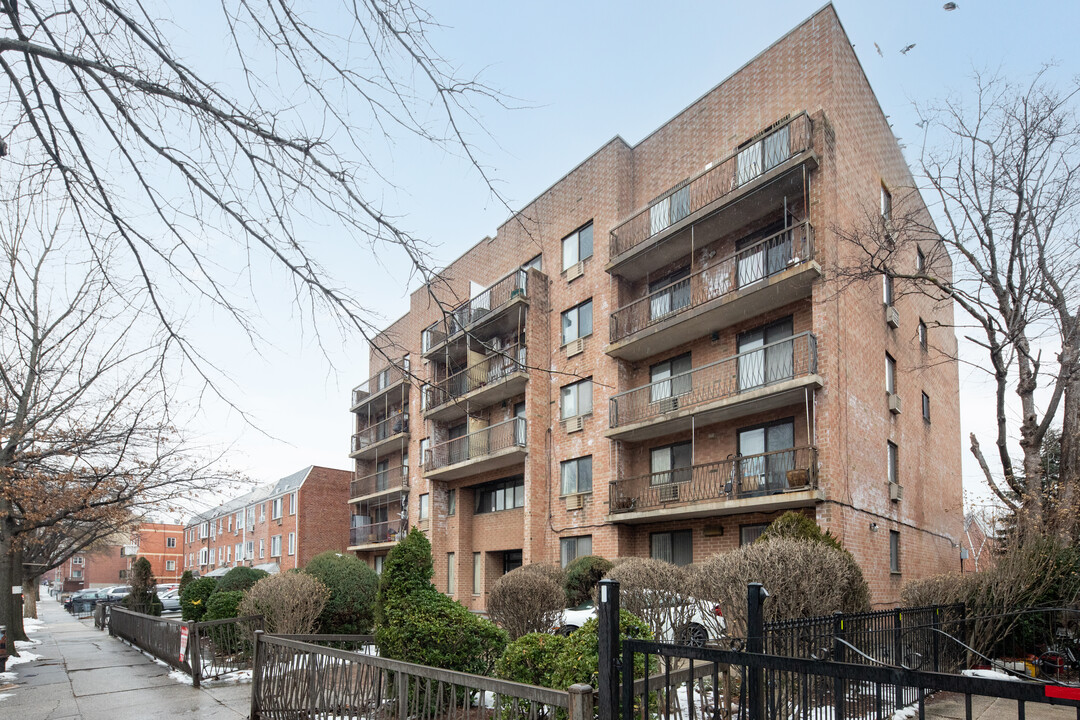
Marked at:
<point>529,599</point>
<point>290,603</point>
<point>656,592</point>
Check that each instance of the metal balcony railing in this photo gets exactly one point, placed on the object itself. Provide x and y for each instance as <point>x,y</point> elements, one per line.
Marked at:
<point>380,431</point>
<point>395,478</point>
<point>760,367</point>
<point>381,380</point>
<point>728,275</point>
<point>488,371</point>
<point>737,477</point>
<point>389,531</point>
<point>476,445</point>
<point>509,287</point>
<point>741,167</point>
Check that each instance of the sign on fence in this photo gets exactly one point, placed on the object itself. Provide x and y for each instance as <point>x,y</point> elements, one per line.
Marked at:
<point>183,642</point>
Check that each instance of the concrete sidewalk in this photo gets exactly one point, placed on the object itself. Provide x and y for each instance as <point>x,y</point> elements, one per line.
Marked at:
<point>85,673</point>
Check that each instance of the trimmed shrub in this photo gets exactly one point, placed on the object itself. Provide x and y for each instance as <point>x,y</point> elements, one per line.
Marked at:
<point>531,659</point>
<point>185,579</point>
<point>239,579</point>
<point>223,605</point>
<point>656,592</point>
<point>579,658</point>
<point>290,603</point>
<point>353,587</point>
<point>143,596</point>
<point>582,574</point>
<point>527,600</point>
<point>797,526</point>
<point>407,570</point>
<point>194,596</point>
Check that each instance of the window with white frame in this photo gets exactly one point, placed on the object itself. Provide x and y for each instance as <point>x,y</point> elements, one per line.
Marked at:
<point>923,335</point>
<point>204,530</point>
<point>275,546</point>
<point>576,399</point>
<point>576,475</point>
<point>380,560</point>
<point>77,560</point>
<point>249,550</point>
<point>262,549</point>
<point>577,246</point>
<point>886,203</point>
<point>425,443</point>
<point>262,512</point>
<point>76,574</point>
<point>577,322</point>
<point>239,522</point>
<point>228,553</point>
<point>477,573</point>
<point>170,542</point>
<point>275,509</point>
<point>228,527</point>
<point>170,565</point>
<point>890,374</point>
<point>425,506</point>
<point>920,260</point>
<point>450,579</point>
<point>572,548</point>
<point>888,294</point>
<point>204,553</point>
<point>251,518</point>
<point>292,543</point>
<point>239,552</point>
<point>213,555</point>
<point>894,551</point>
<point>292,503</point>
<point>893,463</point>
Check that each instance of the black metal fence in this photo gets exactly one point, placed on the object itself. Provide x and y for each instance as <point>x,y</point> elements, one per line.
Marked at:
<point>224,646</point>
<point>160,637</point>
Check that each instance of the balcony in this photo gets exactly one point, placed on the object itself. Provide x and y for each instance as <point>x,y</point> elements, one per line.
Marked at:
<point>496,446</point>
<point>778,480</point>
<point>764,378</point>
<point>486,306</point>
<point>380,384</point>
<point>393,479</point>
<point>768,169</point>
<point>373,535</point>
<point>769,274</point>
<point>497,377</point>
<point>367,443</point>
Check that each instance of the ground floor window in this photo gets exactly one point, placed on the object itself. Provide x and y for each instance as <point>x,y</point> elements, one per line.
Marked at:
<point>477,572</point>
<point>750,533</point>
<point>894,551</point>
<point>379,560</point>
<point>574,547</point>
<point>675,547</point>
<point>450,589</point>
<point>511,560</point>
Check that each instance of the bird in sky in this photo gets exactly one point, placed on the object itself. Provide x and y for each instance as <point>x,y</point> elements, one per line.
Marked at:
<point>878,48</point>
<point>907,49</point>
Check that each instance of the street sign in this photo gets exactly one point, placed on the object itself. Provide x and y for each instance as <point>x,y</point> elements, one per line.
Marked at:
<point>16,589</point>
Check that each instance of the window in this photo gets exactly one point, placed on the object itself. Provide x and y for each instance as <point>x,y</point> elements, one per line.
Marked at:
<point>765,355</point>
<point>670,378</point>
<point>886,203</point>
<point>262,548</point>
<point>203,555</point>
<point>213,555</point>
<point>923,335</point>
<point>512,560</point>
<point>887,285</point>
<point>425,443</point>
<point>669,294</point>
<point>239,522</point>
<point>78,573</point>
<point>275,509</point>
<point>425,508</point>
<point>502,495</point>
<point>292,503</point>
<point>674,547</point>
<point>893,462</point>
<point>572,548</point>
<point>577,246</point>
<point>890,374</point>
<point>750,533</point>
<point>292,543</point>
<point>477,570</point>
<point>537,263</point>
<point>228,553</point>
<point>251,518</point>
<point>577,322</point>
<point>262,512</point>
<point>229,527</point>
<point>451,587</point>
<point>249,550</point>
<point>170,542</point>
<point>451,502</point>
<point>920,260</point>
<point>380,560</point>
<point>77,561</point>
<point>577,475</point>
<point>204,531</point>
<point>670,463</point>
<point>576,399</point>
<point>275,546</point>
<point>894,551</point>
<point>239,552</point>
<point>767,455</point>
<point>926,407</point>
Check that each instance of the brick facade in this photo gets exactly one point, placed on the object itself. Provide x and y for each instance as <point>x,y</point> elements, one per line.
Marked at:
<point>758,245</point>
<point>162,545</point>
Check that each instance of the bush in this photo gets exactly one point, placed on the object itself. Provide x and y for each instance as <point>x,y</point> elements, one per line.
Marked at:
<point>290,603</point>
<point>804,579</point>
<point>582,574</point>
<point>527,600</point>
<point>418,624</point>
<point>656,592</point>
<point>239,579</point>
<point>143,596</point>
<point>186,578</point>
<point>194,596</point>
<point>531,659</point>
<point>797,526</point>
<point>223,605</point>
<point>353,587</point>
<point>579,658</point>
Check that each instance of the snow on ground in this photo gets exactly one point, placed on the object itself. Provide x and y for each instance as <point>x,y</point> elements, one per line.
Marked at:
<point>6,677</point>
<point>991,675</point>
<point>24,656</point>
<point>32,624</point>
<point>6,695</point>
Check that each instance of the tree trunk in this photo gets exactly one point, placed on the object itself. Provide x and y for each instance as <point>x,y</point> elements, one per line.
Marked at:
<point>1067,512</point>
<point>10,576</point>
<point>31,588</point>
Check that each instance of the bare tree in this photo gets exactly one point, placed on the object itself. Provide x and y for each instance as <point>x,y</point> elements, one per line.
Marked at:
<point>1001,174</point>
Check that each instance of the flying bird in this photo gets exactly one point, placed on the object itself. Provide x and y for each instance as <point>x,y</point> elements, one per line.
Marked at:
<point>907,49</point>
<point>949,6</point>
<point>878,48</point>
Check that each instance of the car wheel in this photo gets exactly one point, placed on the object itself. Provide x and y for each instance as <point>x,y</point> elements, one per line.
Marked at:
<point>693,635</point>
<point>565,630</point>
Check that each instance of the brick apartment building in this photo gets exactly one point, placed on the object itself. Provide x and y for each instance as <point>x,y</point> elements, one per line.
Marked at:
<point>110,563</point>
<point>651,359</point>
<point>277,527</point>
<point>162,545</point>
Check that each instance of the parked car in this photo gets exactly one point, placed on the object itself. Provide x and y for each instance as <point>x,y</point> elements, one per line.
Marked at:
<point>706,623</point>
<point>118,593</point>
<point>170,601</point>
<point>166,587</point>
<point>79,596</point>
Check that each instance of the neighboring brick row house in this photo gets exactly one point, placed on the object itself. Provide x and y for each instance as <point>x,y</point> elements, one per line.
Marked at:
<point>276,527</point>
<point>109,564</point>
<point>652,358</point>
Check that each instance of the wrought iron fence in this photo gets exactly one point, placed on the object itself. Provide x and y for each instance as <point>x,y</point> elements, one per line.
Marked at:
<point>224,646</point>
<point>738,271</point>
<point>511,286</point>
<point>376,433</point>
<point>350,643</point>
<point>161,637</point>
<point>395,373</point>
<point>736,170</point>
<point>390,478</point>
<point>738,477</point>
<point>489,440</point>
<point>786,359</point>
<point>380,532</point>
<point>490,370</point>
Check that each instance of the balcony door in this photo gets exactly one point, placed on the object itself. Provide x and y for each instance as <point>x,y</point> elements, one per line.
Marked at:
<point>763,464</point>
<point>671,463</point>
<point>670,379</point>
<point>764,356</point>
<point>669,294</point>
<point>382,475</point>
<point>762,254</point>
<point>458,451</point>
<point>519,424</point>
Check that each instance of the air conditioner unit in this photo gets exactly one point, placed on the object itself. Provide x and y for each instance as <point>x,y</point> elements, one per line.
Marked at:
<point>896,492</point>
<point>575,347</point>
<point>666,405</point>
<point>574,424</point>
<point>669,493</point>
<point>894,403</point>
<point>892,317</point>
<point>575,502</point>
<point>575,271</point>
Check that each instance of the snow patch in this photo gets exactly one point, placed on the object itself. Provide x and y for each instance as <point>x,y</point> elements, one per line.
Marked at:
<point>991,675</point>
<point>8,676</point>
<point>32,624</point>
<point>24,657</point>
<point>6,695</point>
<point>26,644</point>
<point>181,677</point>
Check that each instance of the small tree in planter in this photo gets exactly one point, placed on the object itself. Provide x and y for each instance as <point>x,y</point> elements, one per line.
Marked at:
<point>143,596</point>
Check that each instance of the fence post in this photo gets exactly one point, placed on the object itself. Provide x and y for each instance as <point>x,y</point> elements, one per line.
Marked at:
<point>256,684</point>
<point>839,655</point>
<point>402,681</point>
<point>755,643</point>
<point>194,656</point>
<point>935,643</point>
<point>608,618</point>
<point>898,654</point>
<point>581,705</point>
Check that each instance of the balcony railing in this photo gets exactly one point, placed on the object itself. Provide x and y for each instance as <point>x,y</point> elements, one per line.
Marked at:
<point>380,431</point>
<point>476,445</point>
<point>488,371</point>
<point>381,380</point>
<point>731,173</point>
<point>487,302</point>
<point>394,478</point>
<point>730,274</point>
<point>738,477</point>
<point>381,532</point>
<point>760,367</point>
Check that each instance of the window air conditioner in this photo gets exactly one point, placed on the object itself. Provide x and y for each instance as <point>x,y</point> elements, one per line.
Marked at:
<point>894,403</point>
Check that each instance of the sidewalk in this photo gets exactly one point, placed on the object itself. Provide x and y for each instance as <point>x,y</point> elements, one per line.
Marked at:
<point>85,673</point>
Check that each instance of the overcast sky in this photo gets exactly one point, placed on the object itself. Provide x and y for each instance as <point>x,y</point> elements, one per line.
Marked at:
<point>582,73</point>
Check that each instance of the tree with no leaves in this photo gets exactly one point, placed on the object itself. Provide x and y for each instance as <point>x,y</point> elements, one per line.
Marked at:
<point>1002,178</point>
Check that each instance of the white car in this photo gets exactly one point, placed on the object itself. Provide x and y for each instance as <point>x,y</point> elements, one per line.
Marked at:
<point>170,601</point>
<point>706,623</point>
